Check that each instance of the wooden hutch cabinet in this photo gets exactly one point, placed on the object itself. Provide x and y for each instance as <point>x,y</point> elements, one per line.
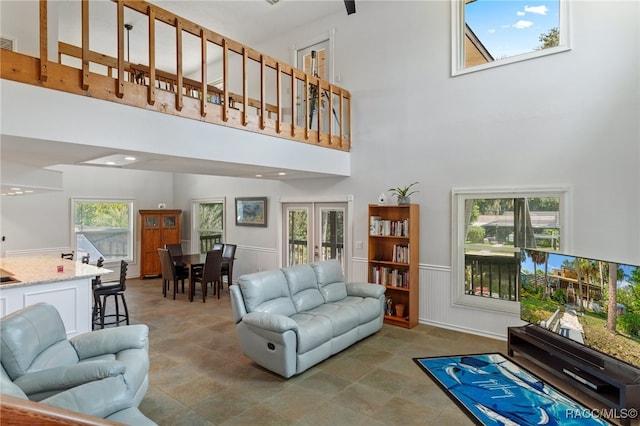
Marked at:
<point>394,253</point>
<point>157,228</point>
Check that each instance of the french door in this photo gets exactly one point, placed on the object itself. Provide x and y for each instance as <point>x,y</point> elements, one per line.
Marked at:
<point>314,232</point>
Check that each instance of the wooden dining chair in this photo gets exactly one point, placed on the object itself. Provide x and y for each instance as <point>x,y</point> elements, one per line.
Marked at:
<point>228,257</point>
<point>169,273</point>
<point>209,273</point>
<point>175,250</point>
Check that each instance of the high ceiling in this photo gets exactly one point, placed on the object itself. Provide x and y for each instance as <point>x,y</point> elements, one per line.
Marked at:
<point>246,21</point>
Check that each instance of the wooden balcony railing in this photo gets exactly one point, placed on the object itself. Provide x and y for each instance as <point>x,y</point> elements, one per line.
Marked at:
<point>270,97</point>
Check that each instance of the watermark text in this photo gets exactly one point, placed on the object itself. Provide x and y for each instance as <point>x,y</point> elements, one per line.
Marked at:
<point>603,413</point>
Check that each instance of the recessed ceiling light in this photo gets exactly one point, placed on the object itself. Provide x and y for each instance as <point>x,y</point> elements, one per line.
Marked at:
<point>281,174</point>
<point>18,192</point>
<point>28,191</point>
<point>258,175</point>
<point>114,160</point>
<point>15,189</point>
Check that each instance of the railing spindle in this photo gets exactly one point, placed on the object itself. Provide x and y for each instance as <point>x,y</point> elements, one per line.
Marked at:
<point>330,113</point>
<point>203,69</point>
<point>294,110</point>
<point>317,104</point>
<point>120,23</point>
<point>262,92</point>
<point>245,86</point>
<point>151,90</point>
<point>178,88</point>
<point>278,97</point>
<point>225,80</point>
<point>306,106</point>
<point>44,40</point>
<point>85,44</point>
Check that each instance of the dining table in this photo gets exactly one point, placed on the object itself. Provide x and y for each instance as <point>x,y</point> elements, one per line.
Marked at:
<point>192,262</point>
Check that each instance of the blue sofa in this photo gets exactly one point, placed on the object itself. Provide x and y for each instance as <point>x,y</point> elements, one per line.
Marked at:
<point>102,373</point>
<point>290,319</point>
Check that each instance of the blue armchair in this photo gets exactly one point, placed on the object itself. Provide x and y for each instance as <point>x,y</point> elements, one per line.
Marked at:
<point>103,373</point>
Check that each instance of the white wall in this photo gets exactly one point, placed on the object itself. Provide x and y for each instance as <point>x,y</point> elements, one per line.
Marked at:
<point>41,223</point>
<point>567,119</point>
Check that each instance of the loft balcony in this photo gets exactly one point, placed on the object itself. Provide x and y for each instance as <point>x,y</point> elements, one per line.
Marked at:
<point>233,85</point>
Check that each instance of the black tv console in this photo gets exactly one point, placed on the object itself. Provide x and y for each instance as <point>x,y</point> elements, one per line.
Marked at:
<point>612,382</point>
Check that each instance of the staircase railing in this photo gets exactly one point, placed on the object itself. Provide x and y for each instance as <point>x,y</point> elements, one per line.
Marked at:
<point>271,97</point>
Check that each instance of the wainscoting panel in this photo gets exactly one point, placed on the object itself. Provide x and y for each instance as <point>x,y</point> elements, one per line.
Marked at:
<point>251,259</point>
<point>436,308</point>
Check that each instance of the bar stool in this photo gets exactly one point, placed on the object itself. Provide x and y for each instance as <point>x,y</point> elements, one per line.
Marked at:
<point>102,292</point>
<point>95,283</point>
<point>68,256</point>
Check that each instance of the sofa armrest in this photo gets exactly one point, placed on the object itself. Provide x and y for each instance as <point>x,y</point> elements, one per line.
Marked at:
<point>65,377</point>
<point>365,290</point>
<point>271,322</point>
<point>238,308</point>
<point>111,340</point>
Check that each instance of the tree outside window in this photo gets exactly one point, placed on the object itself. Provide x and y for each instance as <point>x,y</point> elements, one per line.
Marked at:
<point>104,229</point>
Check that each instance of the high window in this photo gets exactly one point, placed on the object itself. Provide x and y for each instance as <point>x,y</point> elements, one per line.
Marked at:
<point>489,33</point>
<point>490,229</point>
<point>104,228</point>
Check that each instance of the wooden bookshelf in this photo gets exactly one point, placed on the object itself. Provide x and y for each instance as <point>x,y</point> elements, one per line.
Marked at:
<point>394,253</point>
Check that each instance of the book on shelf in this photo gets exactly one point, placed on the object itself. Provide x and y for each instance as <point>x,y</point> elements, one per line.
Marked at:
<point>387,276</point>
<point>400,253</point>
<point>384,227</point>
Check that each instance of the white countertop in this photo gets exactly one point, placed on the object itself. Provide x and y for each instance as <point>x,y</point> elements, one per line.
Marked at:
<point>29,270</point>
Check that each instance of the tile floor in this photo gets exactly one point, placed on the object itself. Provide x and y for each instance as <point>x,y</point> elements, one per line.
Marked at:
<point>198,375</point>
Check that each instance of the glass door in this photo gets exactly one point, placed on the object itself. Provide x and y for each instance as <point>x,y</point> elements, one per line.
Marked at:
<point>314,232</point>
<point>296,234</point>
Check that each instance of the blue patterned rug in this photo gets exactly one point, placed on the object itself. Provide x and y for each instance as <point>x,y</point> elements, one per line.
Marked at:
<point>493,390</point>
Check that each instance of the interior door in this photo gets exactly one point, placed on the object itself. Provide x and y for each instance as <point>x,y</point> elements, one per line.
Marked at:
<point>314,232</point>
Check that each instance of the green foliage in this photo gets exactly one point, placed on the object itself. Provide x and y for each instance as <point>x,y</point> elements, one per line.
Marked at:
<point>549,39</point>
<point>403,191</point>
<point>559,296</point>
<point>629,323</point>
<point>211,216</point>
<point>475,234</point>
<point>101,215</point>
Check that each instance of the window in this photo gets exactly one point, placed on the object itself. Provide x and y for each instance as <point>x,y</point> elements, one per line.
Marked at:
<point>208,224</point>
<point>490,33</point>
<point>104,228</point>
<point>490,228</point>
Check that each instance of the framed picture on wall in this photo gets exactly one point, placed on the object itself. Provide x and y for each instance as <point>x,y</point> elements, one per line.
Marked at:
<point>251,211</point>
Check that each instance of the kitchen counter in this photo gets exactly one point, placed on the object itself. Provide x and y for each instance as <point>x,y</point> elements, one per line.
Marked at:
<point>35,279</point>
<point>29,270</point>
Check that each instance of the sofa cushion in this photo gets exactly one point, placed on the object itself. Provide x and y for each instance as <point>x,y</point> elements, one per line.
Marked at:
<point>303,287</point>
<point>313,331</point>
<point>342,317</point>
<point>330,280</point>
<point>266,291</point>
<point>367,307</point>
<point>33,339</point>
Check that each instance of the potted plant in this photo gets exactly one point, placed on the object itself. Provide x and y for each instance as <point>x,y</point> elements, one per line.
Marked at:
<point>403,194</point>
